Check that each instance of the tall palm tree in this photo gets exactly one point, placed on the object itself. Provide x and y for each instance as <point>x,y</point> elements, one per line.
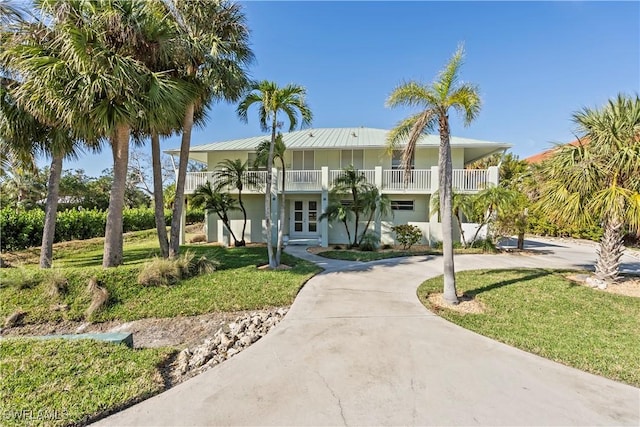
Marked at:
<point>220,203</point>
<point>25,136</point>
<point>599,180</point>
<point>279,151</point>
<point>271,100</point>
<point>234,174</point>
<point>212,52</point>
<point>435,100</point>
<point>113,91</point>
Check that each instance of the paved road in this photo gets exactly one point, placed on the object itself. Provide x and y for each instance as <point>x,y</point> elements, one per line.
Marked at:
<point>358,348</point>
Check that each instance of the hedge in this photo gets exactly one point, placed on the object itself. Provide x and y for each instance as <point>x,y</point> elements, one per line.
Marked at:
<point>23,229</point>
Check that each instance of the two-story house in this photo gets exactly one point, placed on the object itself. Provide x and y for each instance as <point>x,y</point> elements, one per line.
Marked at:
<point>315,157</point>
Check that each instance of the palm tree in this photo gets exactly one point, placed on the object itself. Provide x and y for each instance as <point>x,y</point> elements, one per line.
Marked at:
<point>494,203</point>
<point>599,179</point>
<point>262,153</point>
<point>220,203</point>
<point>353,182</point>
<point>113,91</point>
<point>212,52</point>
<point>233,174</point>
<point>337,211</point>
<point>374,203</point>
<point>25,137</point>
<point>435,100</point>
<point>461,205</point>
<point>272,99</point>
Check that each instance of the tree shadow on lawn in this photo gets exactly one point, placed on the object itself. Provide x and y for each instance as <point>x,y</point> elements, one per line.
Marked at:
<point>533,274</point>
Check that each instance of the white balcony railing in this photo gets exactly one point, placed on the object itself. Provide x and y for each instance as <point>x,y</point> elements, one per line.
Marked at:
<point>469,180</point>
<point>369,175</point>
<point>303,180</point>
<point>420,180</point>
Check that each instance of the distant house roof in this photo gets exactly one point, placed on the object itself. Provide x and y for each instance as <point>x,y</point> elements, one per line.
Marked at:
<point>539,157</point>
<point>339,138</point>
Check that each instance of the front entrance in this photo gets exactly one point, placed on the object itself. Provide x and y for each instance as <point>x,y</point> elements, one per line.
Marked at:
<point>304,218</point>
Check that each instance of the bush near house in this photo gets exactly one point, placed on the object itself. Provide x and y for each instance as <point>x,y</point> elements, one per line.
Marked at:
<point>407,235</point>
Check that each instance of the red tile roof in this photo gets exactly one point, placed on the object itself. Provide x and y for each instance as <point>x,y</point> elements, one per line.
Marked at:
<point>538,158</point>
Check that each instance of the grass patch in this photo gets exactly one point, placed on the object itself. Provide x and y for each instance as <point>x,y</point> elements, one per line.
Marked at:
<point>357,255</point>
<point>542,312</point>
<point>62,382</point>
<point>236,284</point>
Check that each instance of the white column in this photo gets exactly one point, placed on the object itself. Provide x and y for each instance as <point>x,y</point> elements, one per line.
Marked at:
<point>378,183</point>
<point>324,203</point>
<point>493,175</point>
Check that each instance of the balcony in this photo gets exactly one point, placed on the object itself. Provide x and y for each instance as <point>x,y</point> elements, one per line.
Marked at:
<point>391,181</point>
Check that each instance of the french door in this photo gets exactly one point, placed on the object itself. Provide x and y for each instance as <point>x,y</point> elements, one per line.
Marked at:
<point>304,218</point>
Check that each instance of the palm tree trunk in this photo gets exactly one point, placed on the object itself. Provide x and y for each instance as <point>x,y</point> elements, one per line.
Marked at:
<point>158,196</point>
<point>227,224</point>
<point>267,195</point>
<point>178,204</point>
<point>610,250</point>
<point>346,226</point>
<point>244,215</point>
<point>445,175</point>
<point>113,247</point>
<point>366,227</point>
<point>464,241</point>
<point>282,217</point>
<point>51,211</point>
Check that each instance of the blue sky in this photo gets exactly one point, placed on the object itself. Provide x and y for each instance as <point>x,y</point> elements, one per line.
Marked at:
<point>535,63</point>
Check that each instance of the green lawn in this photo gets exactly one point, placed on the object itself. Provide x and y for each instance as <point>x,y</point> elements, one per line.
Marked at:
<point>236,285</point>
<point>58,382</point>
<point>542,312</point>
<point>363,256</point>
<point>68,382</point>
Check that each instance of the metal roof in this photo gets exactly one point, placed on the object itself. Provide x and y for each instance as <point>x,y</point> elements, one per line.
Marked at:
<point>334,138</point>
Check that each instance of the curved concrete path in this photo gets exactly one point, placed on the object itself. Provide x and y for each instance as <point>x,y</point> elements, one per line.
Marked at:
<point>358,348</point>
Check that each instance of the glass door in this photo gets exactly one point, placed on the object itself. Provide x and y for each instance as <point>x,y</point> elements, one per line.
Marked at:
<point>304,218</point>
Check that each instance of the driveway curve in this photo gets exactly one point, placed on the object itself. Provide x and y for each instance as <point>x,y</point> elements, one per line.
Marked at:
<point>358,348</point>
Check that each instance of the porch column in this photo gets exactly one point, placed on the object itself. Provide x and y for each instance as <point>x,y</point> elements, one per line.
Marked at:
<point>324,203</point>
<point>493,175</point>
<point>378,183</point>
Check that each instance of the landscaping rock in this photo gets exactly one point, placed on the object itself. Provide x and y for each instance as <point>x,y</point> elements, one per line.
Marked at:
<point>596,283</point>
<point>228,340</point>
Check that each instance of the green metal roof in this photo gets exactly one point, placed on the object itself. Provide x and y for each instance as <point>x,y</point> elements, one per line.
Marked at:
<point>336,138</point>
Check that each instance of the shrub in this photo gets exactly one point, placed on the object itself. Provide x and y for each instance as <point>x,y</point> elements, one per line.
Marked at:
<point>407,235</point>
<point>159,272</point>
<point>370,242</point>
<point>487,245</point>
<point>23,229</point>
<point>99,297</point>
<point>56,284</point>
<point>164,272</point>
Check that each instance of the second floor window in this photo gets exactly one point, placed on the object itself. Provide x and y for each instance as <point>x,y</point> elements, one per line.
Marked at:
<point>251,162</point>
<point>352,157</point>
<point>303,160</point>
<point>396,160</point>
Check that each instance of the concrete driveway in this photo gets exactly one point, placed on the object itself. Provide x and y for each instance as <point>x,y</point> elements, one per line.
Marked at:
<point>358,348</point>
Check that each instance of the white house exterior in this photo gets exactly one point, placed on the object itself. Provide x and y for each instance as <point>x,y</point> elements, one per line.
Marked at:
<point>314,157</point>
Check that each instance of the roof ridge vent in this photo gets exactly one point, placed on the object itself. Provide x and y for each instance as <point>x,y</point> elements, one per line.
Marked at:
<point>311,134</point>
<point>354,134</point>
